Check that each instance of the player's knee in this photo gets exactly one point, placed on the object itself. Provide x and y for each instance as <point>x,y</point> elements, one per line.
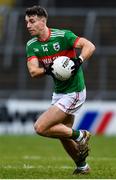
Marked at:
<point>39,129</point>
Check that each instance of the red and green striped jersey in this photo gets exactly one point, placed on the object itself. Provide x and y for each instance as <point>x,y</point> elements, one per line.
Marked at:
<point>59,43</point>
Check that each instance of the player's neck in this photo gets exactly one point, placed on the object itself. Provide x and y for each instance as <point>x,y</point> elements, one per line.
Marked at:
<point>44,35</point>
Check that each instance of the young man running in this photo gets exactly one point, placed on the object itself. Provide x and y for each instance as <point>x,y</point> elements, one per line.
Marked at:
<point>68,96</point>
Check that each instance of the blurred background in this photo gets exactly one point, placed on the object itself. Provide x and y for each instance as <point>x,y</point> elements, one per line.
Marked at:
<point>23,98</point>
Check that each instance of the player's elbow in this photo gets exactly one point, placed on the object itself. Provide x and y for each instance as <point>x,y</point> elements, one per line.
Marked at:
<point>32,73</point>
<point>36,72</point>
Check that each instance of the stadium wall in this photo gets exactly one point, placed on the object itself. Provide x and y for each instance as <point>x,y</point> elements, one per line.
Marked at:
<point>18,116</point>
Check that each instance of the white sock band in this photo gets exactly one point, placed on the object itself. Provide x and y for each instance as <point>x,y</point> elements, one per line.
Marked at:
<point>80,136</point>
<point>83,167</point>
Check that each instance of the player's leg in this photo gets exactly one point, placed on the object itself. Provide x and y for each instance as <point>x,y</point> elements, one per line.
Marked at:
<point>73,149</point>
<point>50,124</point>
<point>69,144</point>
<point>69,104</point>
<point>78,156</point>
<point>45,126</point>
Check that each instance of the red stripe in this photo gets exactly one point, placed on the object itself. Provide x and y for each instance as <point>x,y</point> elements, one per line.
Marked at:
<point>69,53</point>
<point>76,41</point>
<point>105,121</point>
<point>72,106</point>
<point>30,58</point>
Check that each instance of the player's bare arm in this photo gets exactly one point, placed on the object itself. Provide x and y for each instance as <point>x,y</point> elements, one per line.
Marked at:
<point>34,69</point>
<point>87,48</point>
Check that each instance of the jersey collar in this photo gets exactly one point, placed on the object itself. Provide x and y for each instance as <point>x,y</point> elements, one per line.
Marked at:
<point>49,33</point>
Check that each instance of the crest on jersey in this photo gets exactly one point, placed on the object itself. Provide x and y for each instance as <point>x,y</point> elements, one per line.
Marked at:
<point>56,46</point>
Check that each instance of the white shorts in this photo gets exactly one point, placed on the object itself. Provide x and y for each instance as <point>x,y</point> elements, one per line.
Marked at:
<point>70,102</point>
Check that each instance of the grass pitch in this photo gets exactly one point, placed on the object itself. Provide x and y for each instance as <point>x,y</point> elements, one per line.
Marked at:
<point>34,157</point>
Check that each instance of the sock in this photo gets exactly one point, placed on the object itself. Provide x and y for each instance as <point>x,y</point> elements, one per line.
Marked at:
<point>77,135</point>
<point>80,164</point>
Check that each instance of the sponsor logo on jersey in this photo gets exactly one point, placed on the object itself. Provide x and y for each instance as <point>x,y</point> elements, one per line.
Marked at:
<point>49,60</point>
<point>56,46</point>
<point>36,49</point>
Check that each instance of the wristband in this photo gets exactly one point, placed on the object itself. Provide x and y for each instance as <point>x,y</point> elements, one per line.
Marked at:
<point>81,58</point>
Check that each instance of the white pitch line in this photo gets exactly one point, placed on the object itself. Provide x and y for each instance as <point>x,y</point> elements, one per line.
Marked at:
<point>66,158</point>
<point>26,166</point>
<point>41,157</point>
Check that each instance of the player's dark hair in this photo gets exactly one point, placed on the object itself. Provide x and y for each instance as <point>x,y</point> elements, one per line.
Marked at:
<point>36,10</point>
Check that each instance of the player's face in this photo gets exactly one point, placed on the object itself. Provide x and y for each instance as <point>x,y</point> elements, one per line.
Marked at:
<point>35,24</point>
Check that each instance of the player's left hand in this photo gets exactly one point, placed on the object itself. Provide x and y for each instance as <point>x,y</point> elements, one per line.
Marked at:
<point>77,64</point>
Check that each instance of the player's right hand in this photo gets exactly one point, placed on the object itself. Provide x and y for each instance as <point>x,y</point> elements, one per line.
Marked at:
<point>48,69</point>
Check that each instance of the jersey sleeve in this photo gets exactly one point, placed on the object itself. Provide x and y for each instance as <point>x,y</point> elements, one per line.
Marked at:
<point>72,39</point>
<point>29,52</point>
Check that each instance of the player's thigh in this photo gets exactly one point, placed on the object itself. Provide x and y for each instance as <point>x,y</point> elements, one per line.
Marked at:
<point>51,117</point>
